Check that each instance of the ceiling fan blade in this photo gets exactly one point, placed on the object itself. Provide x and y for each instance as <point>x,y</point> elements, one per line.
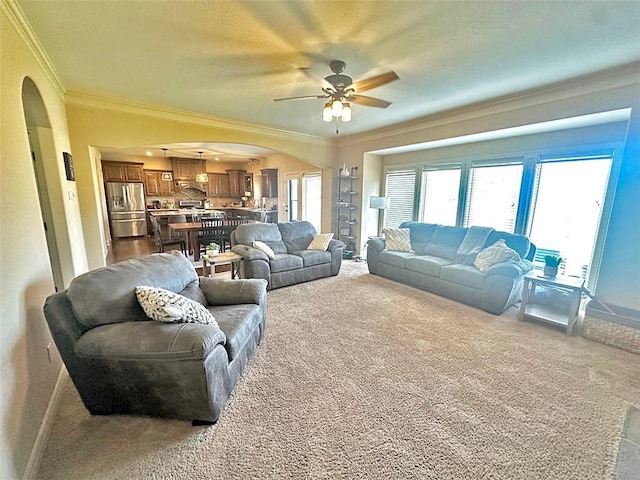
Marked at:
<point>375,82</point>
<point>368,101</point>
<point>298,98</point>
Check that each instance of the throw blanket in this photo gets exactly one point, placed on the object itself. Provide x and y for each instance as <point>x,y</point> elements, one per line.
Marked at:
<point>471,244</point>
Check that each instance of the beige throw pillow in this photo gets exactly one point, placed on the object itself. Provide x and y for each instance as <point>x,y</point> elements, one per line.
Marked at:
<point>397,239</point>
<point>166,306</point>
<point>320,241</point>
<point>496,253</point>
<point>266,249</point>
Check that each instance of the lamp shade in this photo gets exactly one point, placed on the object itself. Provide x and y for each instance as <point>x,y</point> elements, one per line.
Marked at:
<point>202,178</point>
<point>381,203</point>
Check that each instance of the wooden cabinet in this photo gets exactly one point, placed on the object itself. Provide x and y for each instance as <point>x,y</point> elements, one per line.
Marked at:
<point>155,185</point>
<point>218,184</point>
<point>248,183</point>
<point>186,168</point>
<point>236,182</point>
<point>269,180</point>
<point>122,172</point>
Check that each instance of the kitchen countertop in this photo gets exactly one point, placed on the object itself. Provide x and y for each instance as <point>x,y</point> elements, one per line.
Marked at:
<point>183,211</point>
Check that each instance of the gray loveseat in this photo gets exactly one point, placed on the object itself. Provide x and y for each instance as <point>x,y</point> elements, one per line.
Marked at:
<point>292,263</point>
<point>439,265</point>
<point>123,362</point>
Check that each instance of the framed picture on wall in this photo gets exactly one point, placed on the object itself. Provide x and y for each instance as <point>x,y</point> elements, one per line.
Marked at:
<point>68,166</point>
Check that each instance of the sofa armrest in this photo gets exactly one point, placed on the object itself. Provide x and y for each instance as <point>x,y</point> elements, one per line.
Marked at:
<point>510,269</point>
<point>334,245</point>
<point>220,291</point>
<point>377,243</point>
<point>250,253</point>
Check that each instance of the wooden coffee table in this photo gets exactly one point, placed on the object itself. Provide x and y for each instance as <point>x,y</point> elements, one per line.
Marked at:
<point>220,259</point>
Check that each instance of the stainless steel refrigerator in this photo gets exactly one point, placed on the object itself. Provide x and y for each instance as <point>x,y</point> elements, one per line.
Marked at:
<point>127,216</point>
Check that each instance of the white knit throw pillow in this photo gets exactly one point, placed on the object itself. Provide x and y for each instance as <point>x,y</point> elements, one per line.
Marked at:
<point>496,253</point>
<point>320,241</point>
<point>166,306</point>
<point>397,239</point>
<point>264,248</point>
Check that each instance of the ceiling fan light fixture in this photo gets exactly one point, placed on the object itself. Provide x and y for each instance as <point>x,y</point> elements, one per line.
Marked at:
<point>327,113</point>
<point>346,112</point>
<point>336,108</point>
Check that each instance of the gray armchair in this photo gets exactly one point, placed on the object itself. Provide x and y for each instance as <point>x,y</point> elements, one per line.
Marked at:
<point>122,362</point>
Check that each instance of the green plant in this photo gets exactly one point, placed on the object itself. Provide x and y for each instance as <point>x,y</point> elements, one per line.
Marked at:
<point>552,260</point>
<point>214,246</point>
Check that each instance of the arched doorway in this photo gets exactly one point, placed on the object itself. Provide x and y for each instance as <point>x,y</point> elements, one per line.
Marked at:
<point>43,150</point>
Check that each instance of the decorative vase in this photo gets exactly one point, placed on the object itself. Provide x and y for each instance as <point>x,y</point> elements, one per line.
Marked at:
<point>212,253</point>
<point>550,271</point>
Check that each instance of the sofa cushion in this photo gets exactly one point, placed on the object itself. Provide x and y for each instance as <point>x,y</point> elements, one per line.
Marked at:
<point>397,259</point>
<point>165,306</point>
<point>519,243</point>
<point>238,323</point>
<point>320,241</point>
<point>427,264</point>
<point>496,253</point>
<point>284,262</point>
<point>247,233</point>
<point>263,247</point>
<point>397,239</point>
<point>107,295</point>
<point>421,234</point>
<point>445,242</point>
<point>467,275</point>
<point>313,257</point>
<point>297,235</point>
<point>149,340</point>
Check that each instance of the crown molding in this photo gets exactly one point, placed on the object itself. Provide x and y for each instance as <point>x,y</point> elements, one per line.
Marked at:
<point>15,15</point>
<point>166,113</point>
<point>608,79</point>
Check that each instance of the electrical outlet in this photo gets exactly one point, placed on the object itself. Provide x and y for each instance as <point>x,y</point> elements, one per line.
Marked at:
<point>49,352</point>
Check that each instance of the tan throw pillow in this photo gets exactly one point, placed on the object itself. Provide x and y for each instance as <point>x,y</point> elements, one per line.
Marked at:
<point>496,253</point>
<point>166,306</point>
<point>320,241</point>
<point>266,249</point>
<point>397,239</point>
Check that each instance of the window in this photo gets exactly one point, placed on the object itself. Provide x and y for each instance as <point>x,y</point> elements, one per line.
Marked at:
<point>439,196</point>
<point>566,208</point>
<point>492,195</point>
<point>312,198</point>
<point>400,188</point>
<point>292,189</point>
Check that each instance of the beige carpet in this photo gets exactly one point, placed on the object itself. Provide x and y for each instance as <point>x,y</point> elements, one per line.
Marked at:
<point>361,377</point>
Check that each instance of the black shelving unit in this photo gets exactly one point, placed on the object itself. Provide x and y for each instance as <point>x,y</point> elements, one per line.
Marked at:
<point>345,209</point>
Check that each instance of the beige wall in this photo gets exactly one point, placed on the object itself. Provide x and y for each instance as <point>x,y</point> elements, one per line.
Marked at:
<point>28,377</point>
<point>98,124</point>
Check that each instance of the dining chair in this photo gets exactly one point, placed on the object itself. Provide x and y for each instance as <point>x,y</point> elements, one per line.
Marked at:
<point>230,224</point>
<point>165,242</point>
<point>212,231</point>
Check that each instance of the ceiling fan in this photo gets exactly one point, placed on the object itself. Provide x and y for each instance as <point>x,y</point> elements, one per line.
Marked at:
<point>340,90</point>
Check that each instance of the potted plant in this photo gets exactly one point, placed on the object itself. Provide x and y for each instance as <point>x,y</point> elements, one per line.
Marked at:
<point>213,249</point>
<point>551,263</point>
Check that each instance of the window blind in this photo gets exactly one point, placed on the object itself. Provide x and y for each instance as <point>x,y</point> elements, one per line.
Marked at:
<point>492,195</point>
<point>439,195</point>
<point>400,188</point>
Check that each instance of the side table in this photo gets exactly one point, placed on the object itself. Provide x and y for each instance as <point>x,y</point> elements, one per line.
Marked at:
<point>547,313</point>
<point>220,259</point>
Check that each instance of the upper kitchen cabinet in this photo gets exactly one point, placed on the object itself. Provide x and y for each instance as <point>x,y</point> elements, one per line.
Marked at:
<point>248,183</point>
<point>155,185</point>
<point>236,182</point>
<point>218,184</point>
<point>269,181</point>
<point>186,168</point>
<point>122,172</point>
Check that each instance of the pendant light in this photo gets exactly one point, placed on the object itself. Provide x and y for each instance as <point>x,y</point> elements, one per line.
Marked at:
<point>202,177</point>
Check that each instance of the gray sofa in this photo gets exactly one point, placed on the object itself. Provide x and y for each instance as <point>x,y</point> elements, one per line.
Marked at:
<point>293,263</point>
<point>438,266</point>
<point>123,362</point>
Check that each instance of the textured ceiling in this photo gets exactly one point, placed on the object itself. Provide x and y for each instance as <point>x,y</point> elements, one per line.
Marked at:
<point>232,58</point>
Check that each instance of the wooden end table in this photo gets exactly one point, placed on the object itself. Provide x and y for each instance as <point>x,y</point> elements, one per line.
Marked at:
<point>547,313</point>
<point>220,259</point>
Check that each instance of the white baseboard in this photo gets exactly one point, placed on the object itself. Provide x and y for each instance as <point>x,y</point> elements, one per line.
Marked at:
<point>45,429</point>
